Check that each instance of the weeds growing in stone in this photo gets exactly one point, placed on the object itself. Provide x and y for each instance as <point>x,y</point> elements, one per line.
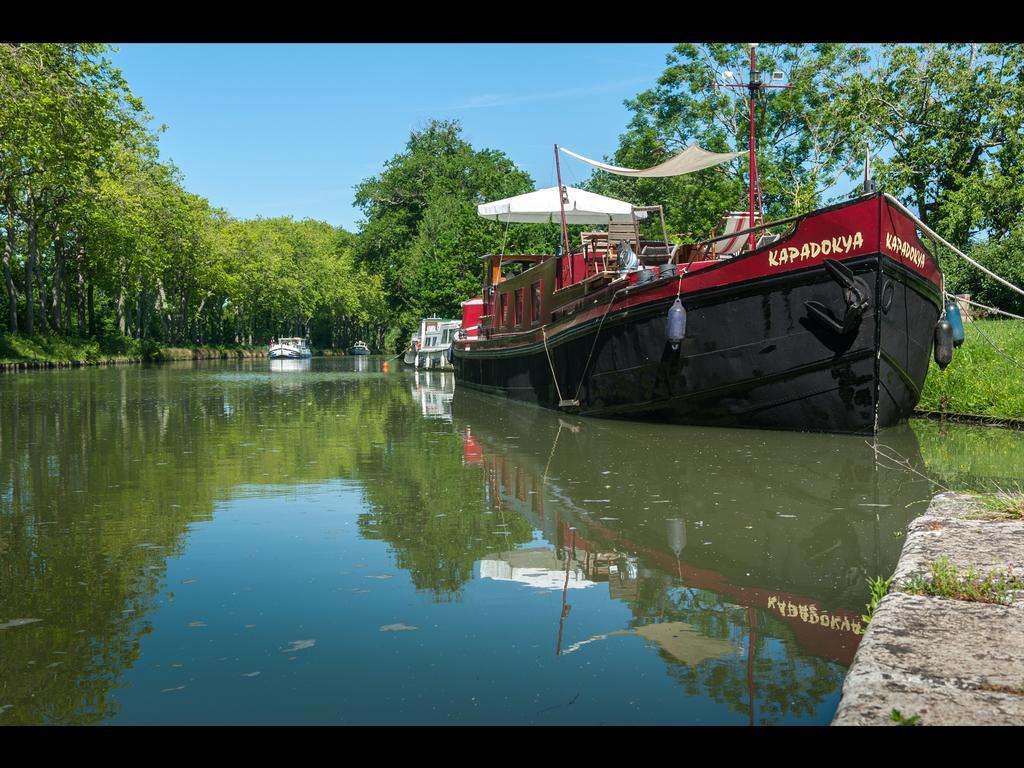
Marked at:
<point>879,589</point>
<point>948,581</point>
<point>900,719</point>
<point>1002,505</point>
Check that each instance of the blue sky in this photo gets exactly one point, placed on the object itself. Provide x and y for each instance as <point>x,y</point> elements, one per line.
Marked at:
<point>273,130</point>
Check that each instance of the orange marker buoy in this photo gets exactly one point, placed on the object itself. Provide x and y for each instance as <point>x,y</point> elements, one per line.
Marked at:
<point>385,366</point>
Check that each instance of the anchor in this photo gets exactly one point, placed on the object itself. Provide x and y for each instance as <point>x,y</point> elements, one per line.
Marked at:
<point>855,292</point>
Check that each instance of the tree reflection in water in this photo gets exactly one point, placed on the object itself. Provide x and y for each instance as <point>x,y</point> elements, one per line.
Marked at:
<point>727,546</point>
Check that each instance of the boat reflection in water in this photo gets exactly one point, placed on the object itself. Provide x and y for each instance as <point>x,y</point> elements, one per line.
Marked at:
<point>287,365</point>
<point>723,542</point>
<point>434,390</point>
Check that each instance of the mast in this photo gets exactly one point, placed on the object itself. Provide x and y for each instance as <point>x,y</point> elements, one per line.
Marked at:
<point>754,85</point>
<point>561,204</point>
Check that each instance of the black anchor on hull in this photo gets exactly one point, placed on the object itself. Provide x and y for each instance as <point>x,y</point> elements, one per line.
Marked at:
<point>855,292</point>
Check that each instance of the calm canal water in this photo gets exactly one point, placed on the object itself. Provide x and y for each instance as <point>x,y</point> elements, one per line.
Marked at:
<point>241,543</point>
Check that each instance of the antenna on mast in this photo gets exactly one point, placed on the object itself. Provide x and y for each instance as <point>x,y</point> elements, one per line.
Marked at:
<point>869,185</point>
<point>753,85</point>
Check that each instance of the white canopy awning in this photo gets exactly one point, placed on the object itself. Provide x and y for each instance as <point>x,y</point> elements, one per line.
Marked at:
<point>542,206</point>
<point>691,159</point>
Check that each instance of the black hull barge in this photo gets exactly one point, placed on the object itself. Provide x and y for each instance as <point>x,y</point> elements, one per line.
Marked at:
<point>827,328</point>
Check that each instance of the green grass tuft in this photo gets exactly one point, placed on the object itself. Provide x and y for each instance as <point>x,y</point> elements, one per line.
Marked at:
<point>900,719</point>
<point>948,581</point>
<point>879,589</point>
<point>1003,505</point>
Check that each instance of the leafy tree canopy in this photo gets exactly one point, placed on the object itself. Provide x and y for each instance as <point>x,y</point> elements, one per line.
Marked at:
<point>421,233</point>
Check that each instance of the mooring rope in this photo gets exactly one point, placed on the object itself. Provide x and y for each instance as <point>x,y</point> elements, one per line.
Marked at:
<point>554,377</point>
<point>593,346</point>
<point>996,347</point>
<point>956,298</point>
<point>940,239</point>
<point>952,247</point>
<point>544,479</point>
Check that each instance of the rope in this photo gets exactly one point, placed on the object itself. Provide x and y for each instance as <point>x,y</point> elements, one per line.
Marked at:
<point>952,247</point>
<point>996,347</point>
<point>554,378</point>
<point>597,335</point>
<point>956,298</point>
<point>939,238</point>
<point>544,479</point>
<point>576,398</point>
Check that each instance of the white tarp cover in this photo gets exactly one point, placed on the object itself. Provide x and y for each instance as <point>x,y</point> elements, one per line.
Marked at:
<point>542,206</point>
<point>691,159</point>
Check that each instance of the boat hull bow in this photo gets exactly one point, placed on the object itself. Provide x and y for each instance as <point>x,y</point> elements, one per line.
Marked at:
<point>837,343</point>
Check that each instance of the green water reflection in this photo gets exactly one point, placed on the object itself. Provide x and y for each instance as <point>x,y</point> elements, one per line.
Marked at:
<point>173,532</point>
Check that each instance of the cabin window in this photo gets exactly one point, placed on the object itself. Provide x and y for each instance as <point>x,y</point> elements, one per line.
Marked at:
<point>520,320</point>
<point>504,309</point>
<point>535,302</point>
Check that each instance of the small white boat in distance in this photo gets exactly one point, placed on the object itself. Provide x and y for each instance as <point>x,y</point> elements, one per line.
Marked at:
<point>360,348</point>
<point>290,348</point>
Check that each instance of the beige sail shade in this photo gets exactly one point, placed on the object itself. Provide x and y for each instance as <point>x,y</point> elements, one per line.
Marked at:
<point>691,159</point>
<point>685,642</point>
<point>542,206</point>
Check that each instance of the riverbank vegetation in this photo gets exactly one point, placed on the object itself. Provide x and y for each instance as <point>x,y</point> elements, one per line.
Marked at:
<point>101,238</point>
<point>986,376</point>
<point>1002,505</point>
<point>45,350</point>
<point>946,580</point>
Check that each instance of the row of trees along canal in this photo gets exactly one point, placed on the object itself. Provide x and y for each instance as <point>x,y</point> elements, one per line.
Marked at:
<point>101,238</point>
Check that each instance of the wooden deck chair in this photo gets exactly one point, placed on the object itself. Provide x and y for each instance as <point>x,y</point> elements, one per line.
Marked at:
<point>628,231</point>
<point>732,222</point>
<point>596,248</point>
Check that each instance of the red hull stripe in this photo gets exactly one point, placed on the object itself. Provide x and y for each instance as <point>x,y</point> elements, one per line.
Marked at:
<point>847,231</point>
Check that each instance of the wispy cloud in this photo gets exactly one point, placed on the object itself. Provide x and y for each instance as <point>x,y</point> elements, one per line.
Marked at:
<point>487,100</point>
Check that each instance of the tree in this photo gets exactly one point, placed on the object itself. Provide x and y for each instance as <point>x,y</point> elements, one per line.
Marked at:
<point>946,121</point>
<point>803,146</point>
<point>64,108</point>
<point>421,233</point>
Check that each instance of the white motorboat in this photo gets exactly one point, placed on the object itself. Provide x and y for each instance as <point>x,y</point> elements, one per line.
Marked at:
<point>432,342</point>
<point>291,365</point>
<point>290,348</point>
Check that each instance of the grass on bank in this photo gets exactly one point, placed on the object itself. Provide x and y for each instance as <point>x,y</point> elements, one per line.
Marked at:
<point>946,580</point>
<point>981,380</point>
<point>1001,505</point>
<point>47,348</point>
